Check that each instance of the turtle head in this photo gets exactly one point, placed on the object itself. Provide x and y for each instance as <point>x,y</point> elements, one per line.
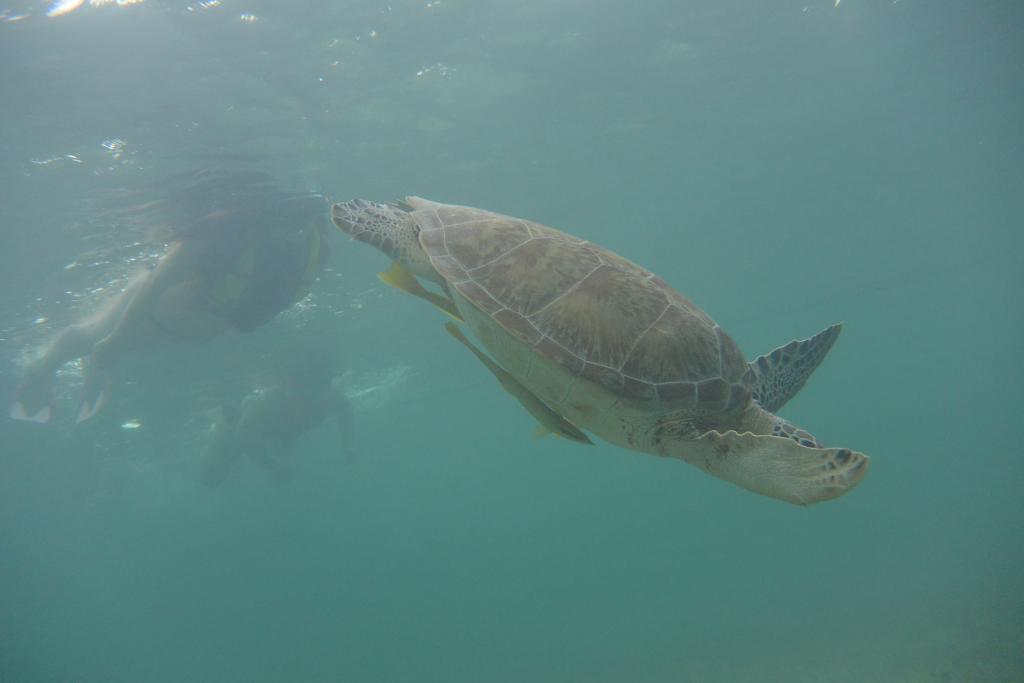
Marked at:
<point>388,227</point>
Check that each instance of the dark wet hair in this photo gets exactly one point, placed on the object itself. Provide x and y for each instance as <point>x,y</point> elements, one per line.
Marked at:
<point>306,367</point>
<point>213,203</point>
<point>256,216</point>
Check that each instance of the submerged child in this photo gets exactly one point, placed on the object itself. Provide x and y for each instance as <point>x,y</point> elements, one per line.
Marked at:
<point>270,421</point>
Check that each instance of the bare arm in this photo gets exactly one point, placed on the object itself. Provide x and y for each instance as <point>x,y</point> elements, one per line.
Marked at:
<point>346,425</point>
<point>124,330</point>
<point>222,453</point>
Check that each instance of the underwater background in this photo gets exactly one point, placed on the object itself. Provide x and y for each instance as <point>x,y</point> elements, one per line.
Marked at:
<point>784,164</point>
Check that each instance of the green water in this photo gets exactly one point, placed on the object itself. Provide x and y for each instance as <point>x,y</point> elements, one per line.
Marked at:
<point>785,164</point>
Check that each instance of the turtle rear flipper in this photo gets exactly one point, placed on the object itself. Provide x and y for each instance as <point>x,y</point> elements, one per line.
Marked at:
<point>779,375</point>
<point>776,466</point>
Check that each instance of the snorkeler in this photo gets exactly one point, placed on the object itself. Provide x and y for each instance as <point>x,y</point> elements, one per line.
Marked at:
<point>235,266</point>
<point>270,421</point>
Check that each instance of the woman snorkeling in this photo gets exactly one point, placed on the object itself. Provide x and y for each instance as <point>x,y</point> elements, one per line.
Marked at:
<point>240,252</point>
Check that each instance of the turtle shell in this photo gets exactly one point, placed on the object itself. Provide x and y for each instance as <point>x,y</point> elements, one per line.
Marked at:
<point>595,313</point>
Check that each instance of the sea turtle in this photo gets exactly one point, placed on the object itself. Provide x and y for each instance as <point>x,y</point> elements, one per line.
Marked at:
<point>587,340</point>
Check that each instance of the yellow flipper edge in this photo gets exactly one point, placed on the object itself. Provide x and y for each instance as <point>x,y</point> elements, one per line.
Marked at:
<point>401,279</point>
<point>549,420</point>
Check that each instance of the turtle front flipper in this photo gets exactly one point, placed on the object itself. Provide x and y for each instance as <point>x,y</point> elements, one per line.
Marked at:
<point>550,420</point>
<point>398,277</point>
<point>779,375</point>
<point>776,466</point>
